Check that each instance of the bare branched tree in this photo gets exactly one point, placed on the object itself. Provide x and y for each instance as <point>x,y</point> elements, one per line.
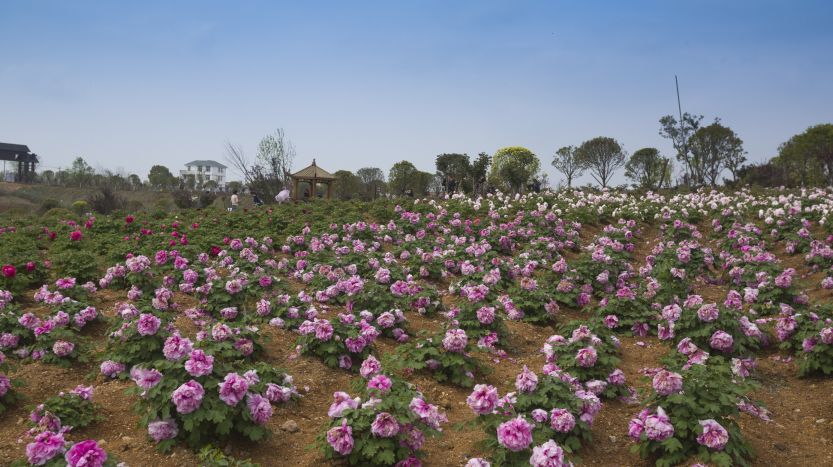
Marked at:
<point>238,160</point>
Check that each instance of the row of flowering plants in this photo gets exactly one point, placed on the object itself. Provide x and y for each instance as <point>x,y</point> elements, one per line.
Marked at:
<point>385,424</point>
<point>692,412</point>
<point>551,408</point>
<point>9,388</point>
<point>447,356</point>
<point>590,355</point>
<point>194,397</point>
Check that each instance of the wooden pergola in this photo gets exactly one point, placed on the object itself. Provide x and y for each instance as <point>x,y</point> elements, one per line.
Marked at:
<point>24,158</point>
<point>312,175</point>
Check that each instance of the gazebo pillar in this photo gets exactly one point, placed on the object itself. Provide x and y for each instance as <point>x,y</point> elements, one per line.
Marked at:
<point>329,189</point>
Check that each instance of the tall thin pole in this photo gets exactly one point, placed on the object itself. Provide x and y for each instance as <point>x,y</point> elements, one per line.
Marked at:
<point>683,138</point>
<point>679,107</point>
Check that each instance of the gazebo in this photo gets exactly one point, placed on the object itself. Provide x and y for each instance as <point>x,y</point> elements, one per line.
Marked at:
<point>25,159</point>
<point>312,175</point>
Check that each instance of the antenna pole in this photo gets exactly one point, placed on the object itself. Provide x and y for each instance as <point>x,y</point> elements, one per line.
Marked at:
<point>683,138</point>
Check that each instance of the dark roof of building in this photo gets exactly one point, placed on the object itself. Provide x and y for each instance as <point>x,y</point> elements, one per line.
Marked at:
<point>207,164</point>
<point>17,152</point>
<point>14,147</point>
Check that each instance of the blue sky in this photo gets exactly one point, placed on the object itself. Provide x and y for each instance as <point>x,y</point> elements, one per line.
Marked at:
<point>132,84</point>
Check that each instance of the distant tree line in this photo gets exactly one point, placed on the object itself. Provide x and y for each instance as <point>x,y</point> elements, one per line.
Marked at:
<point>704,154</point>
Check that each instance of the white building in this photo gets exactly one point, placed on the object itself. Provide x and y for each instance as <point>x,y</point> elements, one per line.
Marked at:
<point>203,171</point>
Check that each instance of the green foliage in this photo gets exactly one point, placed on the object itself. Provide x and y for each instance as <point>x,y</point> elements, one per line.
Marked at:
<point>700,332</point>
<point>550,393</point>
<point>512,168</point>
<point>602,156</point>
<point>81,264</point>
<point>648,169</point>
<point>710,391</point>
<point>369,449</point>
<point>72,409</point>
<point>452,367</point>
<point>590,335</point>
<point>214,419</point>
<point>211,456</point>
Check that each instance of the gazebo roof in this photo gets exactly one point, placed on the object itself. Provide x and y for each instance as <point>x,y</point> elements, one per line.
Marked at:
<point>313,172</point>
<point>17,153</point>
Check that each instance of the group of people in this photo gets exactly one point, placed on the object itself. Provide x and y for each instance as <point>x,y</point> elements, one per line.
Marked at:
<point>234,201</point>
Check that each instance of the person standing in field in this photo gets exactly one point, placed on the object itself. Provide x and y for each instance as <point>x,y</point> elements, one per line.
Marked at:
<point>235,200</point>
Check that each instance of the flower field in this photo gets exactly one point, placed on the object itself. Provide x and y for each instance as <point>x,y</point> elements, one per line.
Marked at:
<point>605,328</point>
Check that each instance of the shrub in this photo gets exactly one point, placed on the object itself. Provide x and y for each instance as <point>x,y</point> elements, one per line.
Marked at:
<point>78,263</point>
<point>446,356</point>
<point>225,400</point>
<point>682,406</point>
<point>80,207</point>
<point>48,204</point>
<point>106,201</point>
<point>384,425</point>
<point>75,409</point>
<point>548,406</point>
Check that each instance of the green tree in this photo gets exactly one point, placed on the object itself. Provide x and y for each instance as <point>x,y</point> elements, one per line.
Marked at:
<point>809,155</point>
<point>373,179</point>
<point>80,172</point>
<point>347,185</point>
<point>648,169</point>
<point>679,132</point>
<point>135,181</point>
<point>456,167</point>
<point>235,185</point>
<point>713,149</point>
<point>567,162</point>
<point>479,172</point>
<point>48,177</point>
<point>602,156</point>
<point>402,177</point>
<point>513,167</point>
<point>161,178</point>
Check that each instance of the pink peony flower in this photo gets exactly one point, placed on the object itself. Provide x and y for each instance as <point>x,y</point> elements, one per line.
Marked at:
<point>515,434</point>
<point>714,436</point>
<point>176,347</point>
<point>111,369</point>
<point>341,438</point>
<point>384,426</point>
<point>62,348</point>
<point>148,324</point>
<point>586,357</point>
<point>667,382</point>
<point>483,399</point>
<point>526,381</point>
<point>44,447</point>
<point>199,363</point>
<point>341,402</point>
<point>370,366</point>
<point>259,408</point>
<point>161,430</point>
<point>86,454</point>
<point>455,340</point>
<point>658,427</point>
<point>721,341</point>
<point>548,454</point>
<point>188,397</point>
<point>562,421</point>
<point>233,389</point>
<point>380,382</point>
<point>144,378</point>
